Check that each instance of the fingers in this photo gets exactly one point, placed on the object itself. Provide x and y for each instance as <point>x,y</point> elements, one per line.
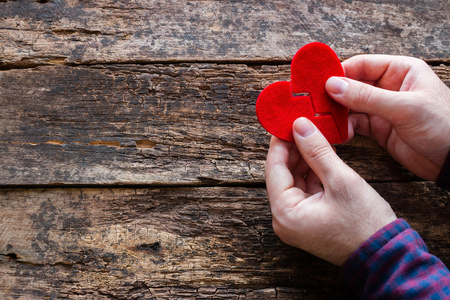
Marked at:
<point>317,152</point>
<point>313,183</point>
<point>279,177</point>
<point>366,98</point>
<point>359,124</point>
<point>386,71</point>
<point>299,174</point>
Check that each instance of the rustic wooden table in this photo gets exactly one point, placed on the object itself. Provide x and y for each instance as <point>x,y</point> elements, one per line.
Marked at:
<point>132,162</point>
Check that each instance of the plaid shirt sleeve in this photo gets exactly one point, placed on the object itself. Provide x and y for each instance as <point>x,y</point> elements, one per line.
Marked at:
<point>395,264</point>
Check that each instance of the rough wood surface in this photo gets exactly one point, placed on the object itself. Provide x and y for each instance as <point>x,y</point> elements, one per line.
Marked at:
<point>148,124</point>
<point>107,31</point>
<point>129,243</point>
<point>159,96</point>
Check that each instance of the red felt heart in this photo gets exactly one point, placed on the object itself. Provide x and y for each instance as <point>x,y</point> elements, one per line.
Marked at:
<point>281,103</point>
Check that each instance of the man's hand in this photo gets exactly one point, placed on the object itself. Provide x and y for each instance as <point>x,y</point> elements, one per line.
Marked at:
<point>402,104</point>
<point>318,203</point>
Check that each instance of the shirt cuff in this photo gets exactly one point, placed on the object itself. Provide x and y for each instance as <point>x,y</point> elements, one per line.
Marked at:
<point>394,263</point>
<point>361,256</point>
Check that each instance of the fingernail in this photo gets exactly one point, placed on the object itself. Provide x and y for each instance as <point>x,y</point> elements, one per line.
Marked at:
<point>304,127</point>
<point>336,85</point>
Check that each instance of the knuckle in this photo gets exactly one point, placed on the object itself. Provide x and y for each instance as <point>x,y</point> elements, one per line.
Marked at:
<point>276,211</point>
<point>281,233</point>
<point>320,152</point>
<point>364,95</point>
<point>419,63</point>
<point>281,222</point>
<point>276,227</point>
<point>279,230</point>
<point>279,213</point>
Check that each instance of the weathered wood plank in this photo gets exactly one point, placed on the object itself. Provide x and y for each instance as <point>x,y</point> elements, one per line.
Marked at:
<point>176,243</point>
<point>105,31</point>
<point>150,124</point>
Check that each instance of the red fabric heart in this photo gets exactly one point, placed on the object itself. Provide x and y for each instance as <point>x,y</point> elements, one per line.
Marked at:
<point>281,103</point>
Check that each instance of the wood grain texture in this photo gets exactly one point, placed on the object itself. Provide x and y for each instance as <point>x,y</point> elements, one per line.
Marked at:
<point>148,124</point>
<point>111,31</point>
<point>207,242</point>
<point>159,96</point>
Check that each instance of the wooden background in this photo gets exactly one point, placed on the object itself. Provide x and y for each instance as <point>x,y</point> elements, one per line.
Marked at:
<point>132,162</point>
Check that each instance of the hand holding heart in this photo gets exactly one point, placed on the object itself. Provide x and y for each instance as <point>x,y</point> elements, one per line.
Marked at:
<point>321,205</point>
<point>330,221</point>
<point>318,203</point>
<point>402,104</point>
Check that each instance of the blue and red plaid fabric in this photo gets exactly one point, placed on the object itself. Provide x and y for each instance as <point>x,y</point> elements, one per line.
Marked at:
<point>395,264</point>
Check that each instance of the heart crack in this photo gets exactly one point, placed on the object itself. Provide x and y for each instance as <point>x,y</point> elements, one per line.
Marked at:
<point>316,113</point>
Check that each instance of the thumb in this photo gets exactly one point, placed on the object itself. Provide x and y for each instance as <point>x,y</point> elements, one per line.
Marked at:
<point>365,98</point>
<point>317,152</point>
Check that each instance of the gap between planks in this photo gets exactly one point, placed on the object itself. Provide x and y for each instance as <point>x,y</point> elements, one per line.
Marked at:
<point>259,184</point>
<point>256,62</point>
